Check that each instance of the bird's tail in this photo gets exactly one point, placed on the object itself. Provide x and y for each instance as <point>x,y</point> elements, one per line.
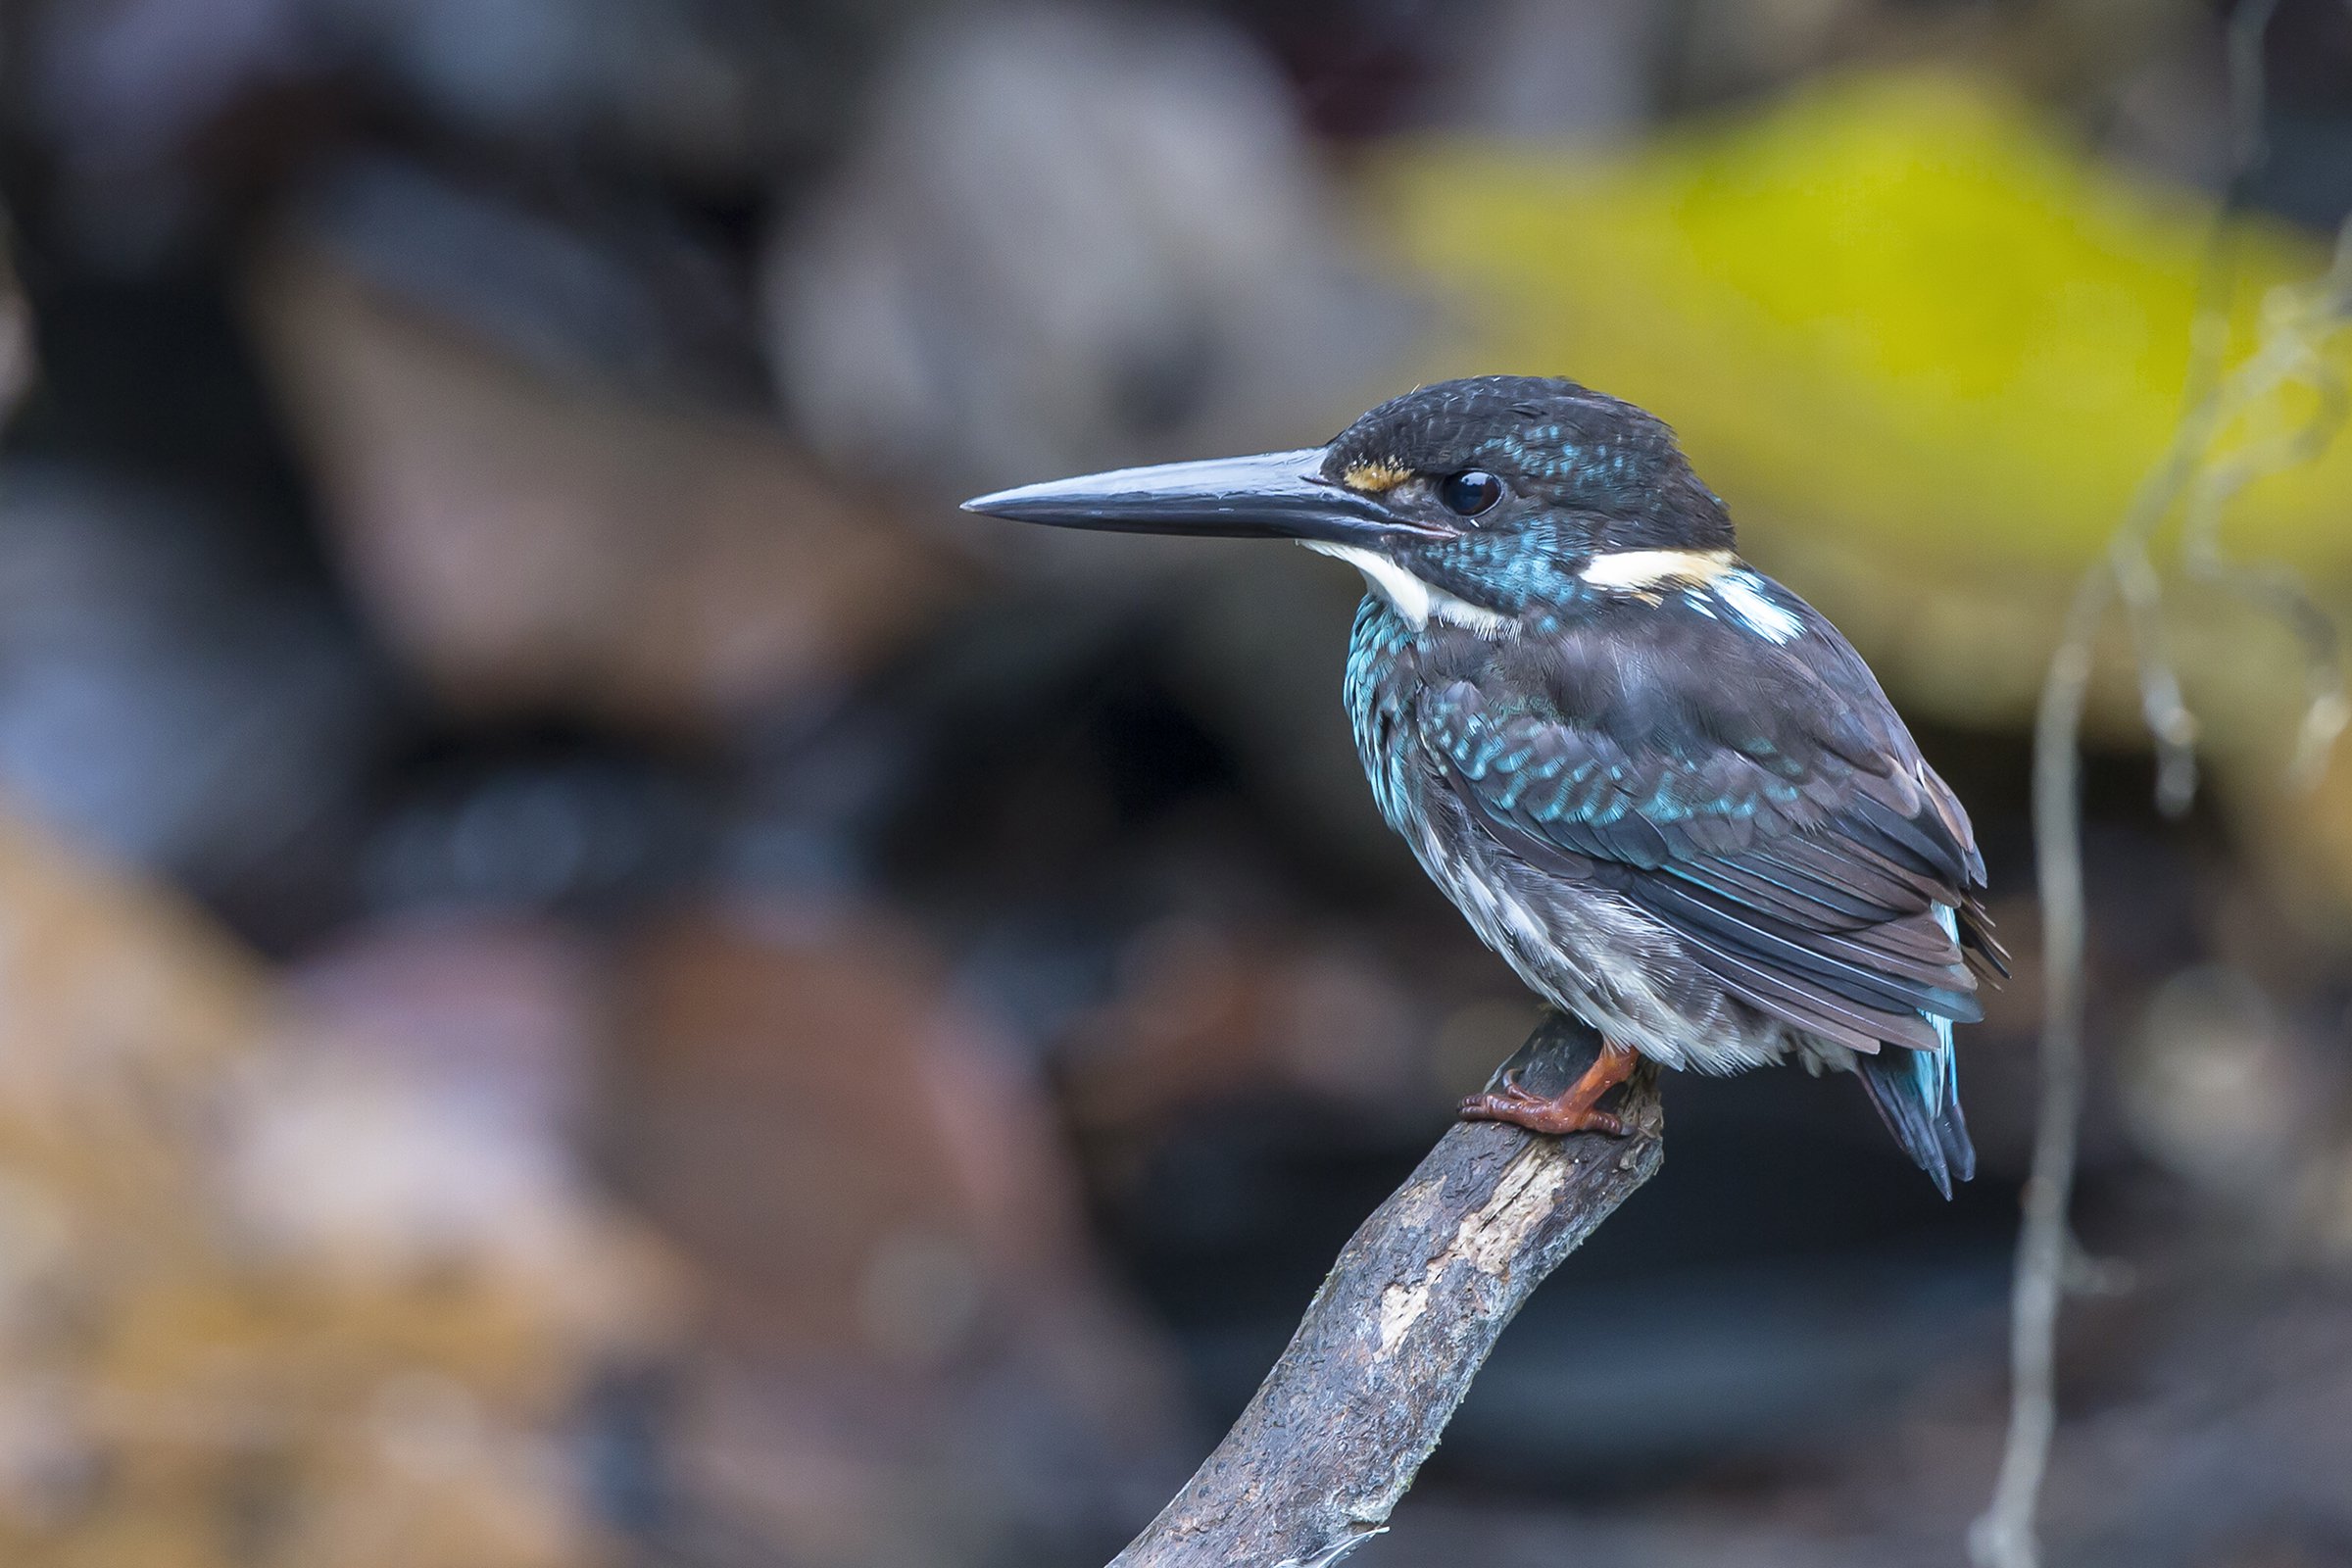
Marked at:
<point>1918,1096</point>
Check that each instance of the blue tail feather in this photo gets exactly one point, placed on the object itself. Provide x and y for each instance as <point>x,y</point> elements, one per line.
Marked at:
<point>1917,1094</point>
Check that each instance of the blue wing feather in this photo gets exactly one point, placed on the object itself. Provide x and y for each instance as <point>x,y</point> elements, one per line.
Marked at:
<point>1760,799</point>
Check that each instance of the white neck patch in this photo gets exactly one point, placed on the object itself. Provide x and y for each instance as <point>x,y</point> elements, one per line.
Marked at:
<point>1707,579</point>
<point>1418,602</point>
<point>1634,570</point>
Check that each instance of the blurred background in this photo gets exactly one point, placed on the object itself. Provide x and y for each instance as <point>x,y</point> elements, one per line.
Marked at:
<point>592,975</point>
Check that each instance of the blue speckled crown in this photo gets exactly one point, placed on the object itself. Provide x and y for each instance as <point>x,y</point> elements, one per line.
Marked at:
<point>1550,439</point>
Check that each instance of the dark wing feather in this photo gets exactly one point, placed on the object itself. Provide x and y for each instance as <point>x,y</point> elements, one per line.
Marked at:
<point>1763,801</point>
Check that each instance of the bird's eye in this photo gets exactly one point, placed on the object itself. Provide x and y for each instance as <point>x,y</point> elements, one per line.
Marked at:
<point>1469,493</point>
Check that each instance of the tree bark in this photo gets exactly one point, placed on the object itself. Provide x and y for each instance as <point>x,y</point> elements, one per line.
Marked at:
<point>1407,1316</point>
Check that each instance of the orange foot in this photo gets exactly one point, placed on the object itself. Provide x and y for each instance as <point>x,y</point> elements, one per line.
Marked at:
<point>1568,1111</point>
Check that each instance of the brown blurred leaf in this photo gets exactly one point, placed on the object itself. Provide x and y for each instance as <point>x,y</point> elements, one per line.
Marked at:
<point>532,543</point>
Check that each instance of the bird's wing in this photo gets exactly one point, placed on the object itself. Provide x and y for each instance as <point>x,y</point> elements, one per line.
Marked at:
<point>1762,802</point>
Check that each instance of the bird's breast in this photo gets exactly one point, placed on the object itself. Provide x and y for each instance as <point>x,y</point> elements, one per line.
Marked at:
<point>1383,683</point>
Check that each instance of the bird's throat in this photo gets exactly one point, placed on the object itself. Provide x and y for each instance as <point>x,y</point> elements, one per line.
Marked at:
<point>1417,601</point>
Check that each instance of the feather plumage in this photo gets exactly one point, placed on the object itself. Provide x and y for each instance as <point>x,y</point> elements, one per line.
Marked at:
<point>1755,799</point>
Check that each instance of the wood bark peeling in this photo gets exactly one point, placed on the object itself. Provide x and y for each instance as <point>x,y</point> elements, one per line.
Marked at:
<point>1407,1316</point>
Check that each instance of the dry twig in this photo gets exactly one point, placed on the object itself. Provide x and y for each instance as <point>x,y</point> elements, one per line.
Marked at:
<point>2234,428</point>
<point>1407,1317</point>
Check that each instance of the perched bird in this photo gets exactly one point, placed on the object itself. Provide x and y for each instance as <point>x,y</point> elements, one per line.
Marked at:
<point>1657,782</point>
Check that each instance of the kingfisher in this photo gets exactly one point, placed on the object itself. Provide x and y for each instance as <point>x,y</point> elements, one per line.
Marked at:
<point>1658,783</point>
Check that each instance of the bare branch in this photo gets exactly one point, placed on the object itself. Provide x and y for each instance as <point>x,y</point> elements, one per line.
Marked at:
<point>2004,1537</point>
<point>1387,1349</point>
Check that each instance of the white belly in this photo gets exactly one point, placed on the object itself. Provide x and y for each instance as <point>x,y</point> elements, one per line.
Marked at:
<point>1595,956</point>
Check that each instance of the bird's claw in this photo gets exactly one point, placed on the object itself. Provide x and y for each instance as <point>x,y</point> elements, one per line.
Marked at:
<point>1556,1115</point>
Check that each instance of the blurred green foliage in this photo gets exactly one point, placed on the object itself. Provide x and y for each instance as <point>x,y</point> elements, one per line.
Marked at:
<point>1890,306</point>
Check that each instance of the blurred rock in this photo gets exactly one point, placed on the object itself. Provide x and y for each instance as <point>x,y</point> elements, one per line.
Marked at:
<point>168,119</point>
<point>902,1302</point>
<point>533,544</point>
<point>721,93</point>
<point>1069,239</point>
<point>1544,70</point>
<point>132,100</point>
<point>167,702</point>
<point>510,1015</point>
<point>272,1296</point>
<point>594,286</point>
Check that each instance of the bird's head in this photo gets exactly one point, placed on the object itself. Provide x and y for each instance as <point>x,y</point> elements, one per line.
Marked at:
<point>1471,501</point>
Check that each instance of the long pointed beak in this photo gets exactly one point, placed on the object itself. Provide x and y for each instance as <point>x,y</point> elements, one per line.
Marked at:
<point>1281,495</point>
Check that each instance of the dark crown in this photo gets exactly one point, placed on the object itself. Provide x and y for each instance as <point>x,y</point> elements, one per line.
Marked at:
<point>1550,440</point>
